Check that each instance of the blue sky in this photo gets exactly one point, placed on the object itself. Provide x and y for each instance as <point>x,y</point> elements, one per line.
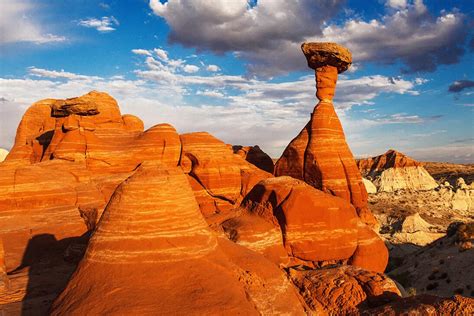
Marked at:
<point>235,69</point>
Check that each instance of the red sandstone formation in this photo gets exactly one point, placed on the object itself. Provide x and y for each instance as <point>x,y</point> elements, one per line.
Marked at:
<point>155,254</point>
<point>391,159</point>
<point>319,155</point>
<point>255,156</point>
<point>219,178</point>
<point>316,228</point>
<point>71,154</point>
<point>3,271</point>
<point>343,290</point>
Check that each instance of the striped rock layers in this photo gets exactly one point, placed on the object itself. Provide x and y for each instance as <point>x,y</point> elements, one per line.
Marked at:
<point>319,155</point>
<point>314,227</point>
<point>343,290</point>
<point>68,158</point>
<point>153,253</point>
<point>394,171</point>
<point>219,178</point>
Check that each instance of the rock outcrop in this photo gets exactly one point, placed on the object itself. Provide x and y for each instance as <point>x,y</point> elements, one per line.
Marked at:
<point>369,186</point>
<point>428,305</point>
<point>319,155</point>
<point>394,171</point>
<point>70,155</point>
<point>314,227</point>
<point>219,178</point>
<point>3,271</point>
<point>343,290</point>
<point>3,154</point>
<point>154,253</point>
<point>255,156</point>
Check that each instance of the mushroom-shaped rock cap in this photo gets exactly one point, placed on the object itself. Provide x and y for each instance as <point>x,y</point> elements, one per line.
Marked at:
<point>323,54</point>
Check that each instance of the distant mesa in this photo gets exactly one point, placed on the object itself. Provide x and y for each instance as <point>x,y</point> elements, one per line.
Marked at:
<point>394,171</point>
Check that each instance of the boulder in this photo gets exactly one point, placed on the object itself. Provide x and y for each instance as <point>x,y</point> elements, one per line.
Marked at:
<point>316,228</point>
<point>369,186</point>
<point>343,290</point>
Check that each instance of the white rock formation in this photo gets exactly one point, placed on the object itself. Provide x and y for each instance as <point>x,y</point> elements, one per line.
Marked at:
<point>369,186</point>
<point>3,154</point>
<point>416,230</point>
<point>405,178</point>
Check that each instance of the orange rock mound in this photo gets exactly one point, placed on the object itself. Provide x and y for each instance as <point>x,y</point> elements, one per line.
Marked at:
<point>154,253</point>
<point>314,227</point>
<point>343,290</point>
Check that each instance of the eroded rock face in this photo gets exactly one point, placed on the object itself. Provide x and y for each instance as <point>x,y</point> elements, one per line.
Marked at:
<point>164,252</point>
<point>219,178</point>
<point>315,227</point>
<point>255,156</point>
<point>394,171</point>
<point>343,290</point>
<point>319,155</point>
<point>4,283</point>
<point>75,159</point>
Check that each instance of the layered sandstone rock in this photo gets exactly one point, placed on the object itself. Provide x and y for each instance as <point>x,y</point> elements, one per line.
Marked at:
<point>71,155</point>
<point>315,227</point>
<point>394,171</point>
<point>319,155</point>
<point>219,178</point>
<point>165,254</point>
<point>3,154</point>
<point>343,290</point>
<point>3,271</point>
<point>255,156</point>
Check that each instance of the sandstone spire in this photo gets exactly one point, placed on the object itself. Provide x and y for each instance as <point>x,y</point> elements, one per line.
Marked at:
<point>319,155</point>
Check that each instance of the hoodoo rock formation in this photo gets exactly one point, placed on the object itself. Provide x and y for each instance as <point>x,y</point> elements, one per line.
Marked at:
<point>319,155</point>
<point>394,171</point>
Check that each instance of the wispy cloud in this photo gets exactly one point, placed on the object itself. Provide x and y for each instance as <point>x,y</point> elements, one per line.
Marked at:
<point>19,23</point>
<point>248,111</point>
<point>103,25</point>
